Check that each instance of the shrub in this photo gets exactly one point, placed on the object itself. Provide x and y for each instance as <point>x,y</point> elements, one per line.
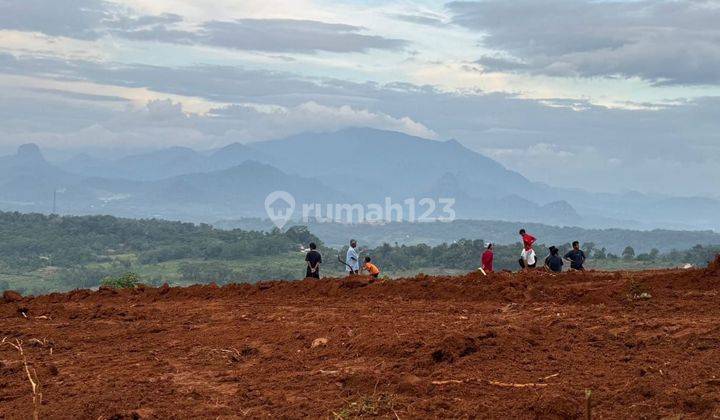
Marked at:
<point>126,281</point>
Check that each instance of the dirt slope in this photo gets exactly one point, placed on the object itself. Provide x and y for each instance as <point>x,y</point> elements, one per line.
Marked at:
<point>645,344</point>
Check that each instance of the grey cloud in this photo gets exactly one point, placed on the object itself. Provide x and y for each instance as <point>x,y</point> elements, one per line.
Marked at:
<point>292,35</point>
<point>159,33</point>
<point>216,83</point>
<point>125,22</point>
<point>275,35</point>
<point>501,64</point>
<point>92,19</point>
<point>71,18</point>
<point>80,19</point>
<point>79,96</point>
<point>419,19</point>
<point>665,41</point>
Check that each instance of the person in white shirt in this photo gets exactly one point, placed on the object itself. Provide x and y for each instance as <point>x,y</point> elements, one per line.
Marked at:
<point>527,258</point>
<point>352,259</point>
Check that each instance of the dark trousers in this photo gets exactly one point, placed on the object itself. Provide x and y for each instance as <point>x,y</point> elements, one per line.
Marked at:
<point>522,264</point>
<point>310,274</point>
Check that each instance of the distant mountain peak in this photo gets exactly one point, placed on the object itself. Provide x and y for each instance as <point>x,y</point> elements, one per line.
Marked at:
<point>30,152</point>
<point>360,133</point>
<point>448,185</point>
<point>232,147</point>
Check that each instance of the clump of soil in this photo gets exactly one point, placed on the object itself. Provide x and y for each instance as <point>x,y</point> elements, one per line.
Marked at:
<point>454,347</point>
<point>10,296</point>
<point>552,406</point>
<point>714,265</point>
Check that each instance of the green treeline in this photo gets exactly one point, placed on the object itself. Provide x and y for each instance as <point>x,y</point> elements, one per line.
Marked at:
<point>33,241</point>
<point>40,254</point>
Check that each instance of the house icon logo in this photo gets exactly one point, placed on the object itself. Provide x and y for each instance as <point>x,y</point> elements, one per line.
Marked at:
<point>280,206</point>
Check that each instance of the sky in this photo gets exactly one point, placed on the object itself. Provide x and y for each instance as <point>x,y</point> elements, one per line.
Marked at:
<point>600,95</point>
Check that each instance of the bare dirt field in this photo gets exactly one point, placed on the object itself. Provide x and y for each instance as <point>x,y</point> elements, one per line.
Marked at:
<point>643,345</point>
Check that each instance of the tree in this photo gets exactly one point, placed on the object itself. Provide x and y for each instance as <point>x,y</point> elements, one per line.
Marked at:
<point>589,247</point>
<point>302,235</point>
<point>126,281</point>
<point>600,254</point>
<point>628,253</point>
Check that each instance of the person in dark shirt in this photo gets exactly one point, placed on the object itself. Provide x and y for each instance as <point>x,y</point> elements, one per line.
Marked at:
<point>553,262</point>
<point>576,257</point>
<point>313,259</point>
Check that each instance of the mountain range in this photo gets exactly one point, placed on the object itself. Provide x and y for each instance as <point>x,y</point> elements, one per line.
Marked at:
<point>358,165</point>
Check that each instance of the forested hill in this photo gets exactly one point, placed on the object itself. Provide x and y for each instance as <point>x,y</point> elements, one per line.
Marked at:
<point>31,241</point>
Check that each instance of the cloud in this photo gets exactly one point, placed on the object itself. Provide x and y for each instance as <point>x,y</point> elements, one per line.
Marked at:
<point>573,143</point>
<point>667,42</point>
<point>313,117</point>
<point>215,83</point>
<point>275,35</point>
<point>501,64</point>
<point>420,19</point>
<point>70,18</point>
<point>93,19</point>
<point>79,95</point>
<point>165,123</point>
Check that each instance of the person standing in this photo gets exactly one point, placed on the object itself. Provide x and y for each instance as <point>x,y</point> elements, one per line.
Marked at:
<point>576,257</point>
<point>487,258</point>
<point>313,260</point>
<point>527,239</point>
<point>352,258</point>
<point>553,262</point>
<point>528,259</point>
<point>527,256</point>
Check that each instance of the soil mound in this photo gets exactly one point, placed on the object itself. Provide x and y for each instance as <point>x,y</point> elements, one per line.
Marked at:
<point>714,265</point>
<point>507,345</point>
<point>10,296</point>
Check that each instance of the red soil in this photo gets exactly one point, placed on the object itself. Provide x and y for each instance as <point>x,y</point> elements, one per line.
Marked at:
<point>645,344</point>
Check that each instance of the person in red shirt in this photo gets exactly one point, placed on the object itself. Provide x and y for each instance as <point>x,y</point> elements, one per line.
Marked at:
<point>528,239</point>
<point>487,259</point>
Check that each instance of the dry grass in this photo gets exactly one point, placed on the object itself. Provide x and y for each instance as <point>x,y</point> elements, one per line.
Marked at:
<point>31,375</point>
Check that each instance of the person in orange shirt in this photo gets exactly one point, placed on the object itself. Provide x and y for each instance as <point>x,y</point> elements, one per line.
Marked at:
<point>371,268</point>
